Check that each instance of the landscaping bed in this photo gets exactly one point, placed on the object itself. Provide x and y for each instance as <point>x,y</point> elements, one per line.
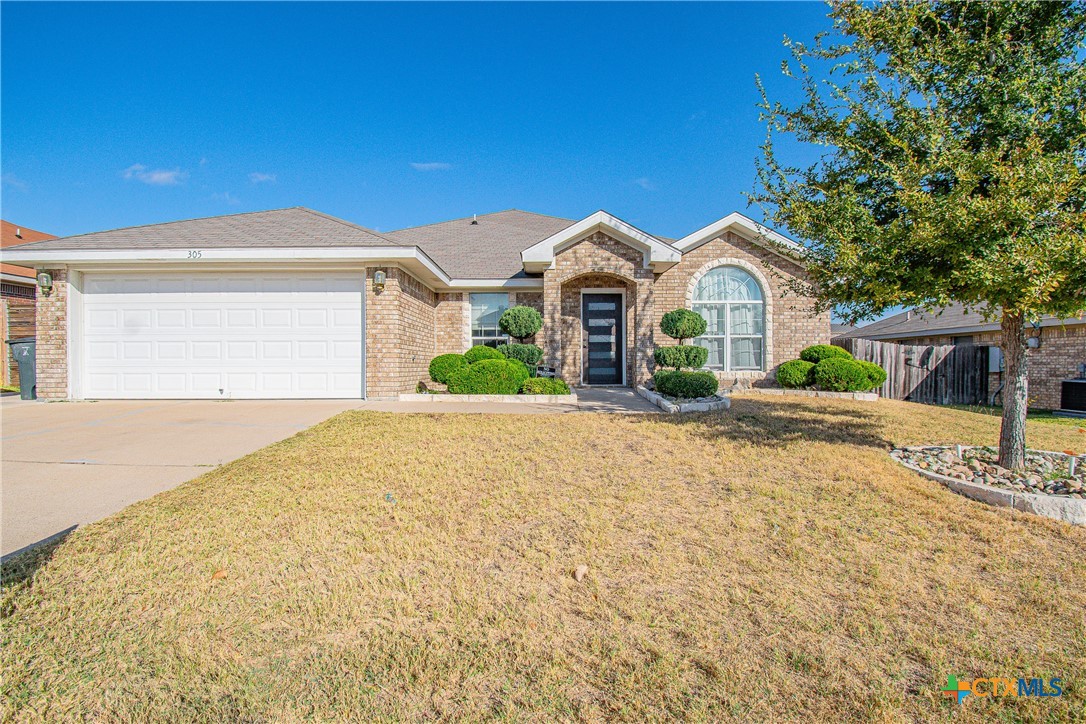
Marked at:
<point>671,404</point>
<point>1046,473</point>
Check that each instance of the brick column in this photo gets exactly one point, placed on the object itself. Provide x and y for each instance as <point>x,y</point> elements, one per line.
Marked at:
<point>550,338</point>
<point>52,339</point>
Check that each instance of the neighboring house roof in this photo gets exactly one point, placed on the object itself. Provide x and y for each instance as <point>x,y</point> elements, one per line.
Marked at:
<point>294,227</point>
<point>838,330</point>
<point>482,247</point>
<point>952,320</point>
<point>11,235</point>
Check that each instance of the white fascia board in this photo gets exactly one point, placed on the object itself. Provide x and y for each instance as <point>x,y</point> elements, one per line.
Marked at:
<point>745,227</point>
<point>540,256</point>
<point>521,284</point>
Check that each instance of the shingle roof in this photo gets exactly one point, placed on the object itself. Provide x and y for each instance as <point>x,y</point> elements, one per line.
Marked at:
<point>8,238</point>
<point>950,320</point>
<point>489,249</point>
<point>294,227</point>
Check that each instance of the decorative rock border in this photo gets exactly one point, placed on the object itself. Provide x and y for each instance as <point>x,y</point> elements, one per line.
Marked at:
<point>570,399</point>
<point>672,407</point>
<point>1068,510</point>
<point>861,396</point>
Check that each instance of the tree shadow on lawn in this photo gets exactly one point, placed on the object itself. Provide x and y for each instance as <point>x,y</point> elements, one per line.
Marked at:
<point>17,569</point>
<point>768,423</point>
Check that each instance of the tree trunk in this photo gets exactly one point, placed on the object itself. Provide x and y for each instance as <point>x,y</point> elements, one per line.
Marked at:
<point>1012,433</point>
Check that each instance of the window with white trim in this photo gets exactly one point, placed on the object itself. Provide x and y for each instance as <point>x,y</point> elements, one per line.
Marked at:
<point>733,306</point>
<point>486,310</point>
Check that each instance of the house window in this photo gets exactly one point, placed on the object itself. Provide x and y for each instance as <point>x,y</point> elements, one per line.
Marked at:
<point>486,310</point>
<point>733,306</point>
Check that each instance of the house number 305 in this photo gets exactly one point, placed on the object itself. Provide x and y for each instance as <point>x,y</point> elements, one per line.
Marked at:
<point>195,254</point>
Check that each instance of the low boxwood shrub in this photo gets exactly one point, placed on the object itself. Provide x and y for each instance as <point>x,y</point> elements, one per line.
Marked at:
<point>529,354</point>
<point>544,386</point>
<point>875,375</point>
<point>489,377</point>
<point>795,374</point>
<point>838,374</point>
<point>481,352</point>
<point>685,385</point>
<point>442,366</point>
<point>683,355</point>
<point>818,352</point>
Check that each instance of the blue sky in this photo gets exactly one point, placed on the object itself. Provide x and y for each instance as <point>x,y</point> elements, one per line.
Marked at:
<point>389,115</point>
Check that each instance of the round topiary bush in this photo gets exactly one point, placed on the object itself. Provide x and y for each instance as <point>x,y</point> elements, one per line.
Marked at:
<point>838,374</point>
<point>682,324</point>
<point>520,322</point>
<point>544,386</point>
<point>683,355</point>
<point>818,352</point>
<point>876,375</point>
<point>795,374</point>
<point>529,354</point>
<point>685,385</point>
<point>480,352</point>
<point>489,377</point>
<point>443,366</point>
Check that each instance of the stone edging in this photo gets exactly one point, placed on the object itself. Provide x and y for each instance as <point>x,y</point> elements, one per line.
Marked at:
<point>671,407</point>
<point>861,396</point>
<point>1068,510</point>
<point>570,399</point>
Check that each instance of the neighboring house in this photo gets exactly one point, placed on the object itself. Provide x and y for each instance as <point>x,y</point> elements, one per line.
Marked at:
<point>1060,346</point>
<point>17,287</point>
<point>295,303</point>
<point>839,330</point>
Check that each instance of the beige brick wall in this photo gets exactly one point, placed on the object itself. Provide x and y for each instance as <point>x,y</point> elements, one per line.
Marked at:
<point>1062,350</point>
<point>452,334</point>
<point>400,333</point>
<point>791,324</point>
<point>52,339</point>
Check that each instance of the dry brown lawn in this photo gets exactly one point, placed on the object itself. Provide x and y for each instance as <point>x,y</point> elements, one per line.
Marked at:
<point>765,564</point>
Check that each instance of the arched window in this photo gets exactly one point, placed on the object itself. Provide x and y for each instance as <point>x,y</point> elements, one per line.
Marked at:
<point>732,304</point>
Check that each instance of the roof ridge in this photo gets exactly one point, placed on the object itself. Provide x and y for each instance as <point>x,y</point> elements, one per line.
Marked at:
<point>490,213</point>
<point>349,224</point>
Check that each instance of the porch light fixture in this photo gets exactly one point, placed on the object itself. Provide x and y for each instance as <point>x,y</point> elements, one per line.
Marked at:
<point>1034,340</point>
<point>379,281</point>
<point>45,282</point>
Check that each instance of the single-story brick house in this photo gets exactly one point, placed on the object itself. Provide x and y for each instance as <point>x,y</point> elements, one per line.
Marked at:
<point>296,303</point>
<point>1059,346</point>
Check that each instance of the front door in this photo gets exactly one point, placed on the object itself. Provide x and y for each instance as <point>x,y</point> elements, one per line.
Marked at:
<point>601,322</point>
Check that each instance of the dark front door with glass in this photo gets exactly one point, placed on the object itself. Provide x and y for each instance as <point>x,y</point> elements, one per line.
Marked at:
<point>601,321</point>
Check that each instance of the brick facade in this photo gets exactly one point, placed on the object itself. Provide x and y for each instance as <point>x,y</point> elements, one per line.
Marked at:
<point>401,321</point>
<point>52,339</point>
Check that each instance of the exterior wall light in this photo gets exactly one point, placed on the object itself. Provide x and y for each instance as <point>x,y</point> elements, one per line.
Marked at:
<point>1034,340</point>
<point>379,278</point>
<point>45,282</point>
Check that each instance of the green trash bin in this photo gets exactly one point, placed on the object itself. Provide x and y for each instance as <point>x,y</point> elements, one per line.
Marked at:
<point>23,351</point>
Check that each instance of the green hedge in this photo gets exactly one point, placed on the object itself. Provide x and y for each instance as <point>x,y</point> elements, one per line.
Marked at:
<point>544,386</point>
<point>795,374</point>
<point>684,355</point>
<point>841,375</point>
<point>480,352</point>
<point>443,366</point>
<point>685,385</point>
<point>489,377</point>
<point>529,354</point>
<point>876,375</point>
<point>818,352</point>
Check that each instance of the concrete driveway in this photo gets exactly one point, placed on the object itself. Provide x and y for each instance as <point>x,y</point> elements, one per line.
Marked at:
<point>68,464</point>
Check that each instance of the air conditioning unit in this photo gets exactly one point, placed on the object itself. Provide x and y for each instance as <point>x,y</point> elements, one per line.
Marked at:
<point>1073,397</point>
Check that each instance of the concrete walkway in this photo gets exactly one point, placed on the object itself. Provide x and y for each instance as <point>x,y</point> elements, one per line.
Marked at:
<point>71,463</point>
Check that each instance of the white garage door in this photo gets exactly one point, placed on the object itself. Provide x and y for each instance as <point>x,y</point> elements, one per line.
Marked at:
<point>223,335</point>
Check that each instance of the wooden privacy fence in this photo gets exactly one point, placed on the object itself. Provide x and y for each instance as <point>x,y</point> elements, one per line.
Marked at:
<point>948,374</point>
<point>16,320</point>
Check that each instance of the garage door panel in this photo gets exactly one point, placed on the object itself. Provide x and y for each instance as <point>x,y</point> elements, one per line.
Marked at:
<point>223,335</point>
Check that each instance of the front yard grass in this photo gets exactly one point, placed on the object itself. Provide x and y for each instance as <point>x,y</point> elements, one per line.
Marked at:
<point>768,563</point>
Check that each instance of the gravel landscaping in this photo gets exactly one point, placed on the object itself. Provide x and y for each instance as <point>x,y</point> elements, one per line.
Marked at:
<point>1046,473</point>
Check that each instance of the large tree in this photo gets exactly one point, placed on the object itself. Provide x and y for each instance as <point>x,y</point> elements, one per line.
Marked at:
<point>952,166</point>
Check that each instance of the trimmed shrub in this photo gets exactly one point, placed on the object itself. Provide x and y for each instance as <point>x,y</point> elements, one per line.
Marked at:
<point>520,322</point>
<point>684,355</point>
<point>796,373</point>
<point>480,352</point>
<point>682,324</point>
<point>685,385</point>
<point>443,366</point>
<point>529,354</point>
<point>544,386</point>
<point>489,377</point>
<point>818,352</point>
<point>838,374</point>
<point>875,375</point>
